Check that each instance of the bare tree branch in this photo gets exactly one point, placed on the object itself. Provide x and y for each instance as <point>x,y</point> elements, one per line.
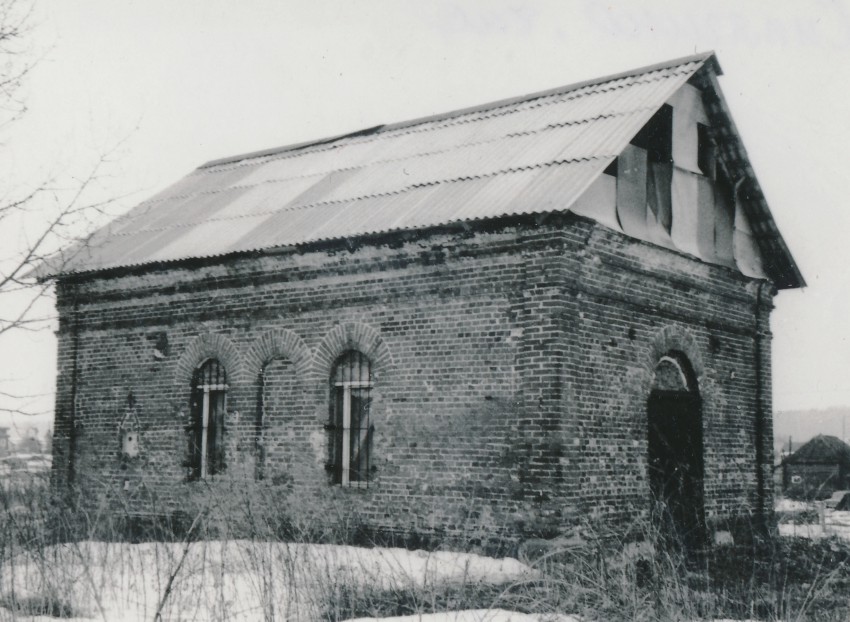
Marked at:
<point>23,412</point>
<point>44,221</point>
<point>21,397</point>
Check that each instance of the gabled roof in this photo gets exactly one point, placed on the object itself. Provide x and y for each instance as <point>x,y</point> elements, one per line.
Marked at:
<point>821,449</point>
<point>532,154</point>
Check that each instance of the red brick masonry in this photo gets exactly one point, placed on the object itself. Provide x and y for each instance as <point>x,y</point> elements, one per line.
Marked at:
<point>512,364</point>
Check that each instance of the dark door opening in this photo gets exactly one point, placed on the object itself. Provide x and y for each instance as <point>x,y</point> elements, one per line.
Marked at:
<point>676,456</point>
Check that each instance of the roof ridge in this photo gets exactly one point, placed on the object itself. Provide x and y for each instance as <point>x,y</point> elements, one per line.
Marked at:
<point>323,145</point>
<point>708,56</point>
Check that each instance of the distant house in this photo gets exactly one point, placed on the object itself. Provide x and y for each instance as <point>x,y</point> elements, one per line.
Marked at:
<point>818,468</point>
<point>29,445</point>
<point>5,443</point>
<point>506,319</point>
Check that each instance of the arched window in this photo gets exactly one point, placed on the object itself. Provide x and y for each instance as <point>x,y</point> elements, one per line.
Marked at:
<point>206,442</point>
<point>351,429</point>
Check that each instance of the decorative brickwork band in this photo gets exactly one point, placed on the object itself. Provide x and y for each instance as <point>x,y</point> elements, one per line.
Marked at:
<point>278,344</point>
<point>202,347</point>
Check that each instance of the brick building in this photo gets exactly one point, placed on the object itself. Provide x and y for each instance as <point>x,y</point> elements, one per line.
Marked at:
<point>510,318</point>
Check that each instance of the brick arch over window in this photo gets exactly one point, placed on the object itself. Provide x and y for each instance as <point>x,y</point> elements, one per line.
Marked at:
<point>278,344</point>
<point>344,337</point>
<point>205,346</point>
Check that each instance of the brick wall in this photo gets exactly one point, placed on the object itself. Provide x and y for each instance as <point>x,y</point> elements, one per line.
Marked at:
<point>512,365</point>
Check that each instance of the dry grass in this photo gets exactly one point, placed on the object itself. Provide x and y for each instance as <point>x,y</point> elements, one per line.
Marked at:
<point>244,560</point>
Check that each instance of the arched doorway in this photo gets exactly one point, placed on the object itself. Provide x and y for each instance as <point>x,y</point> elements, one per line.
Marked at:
<point>675,461</point>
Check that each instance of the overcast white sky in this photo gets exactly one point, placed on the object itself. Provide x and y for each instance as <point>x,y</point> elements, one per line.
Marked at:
<point>188,81</point>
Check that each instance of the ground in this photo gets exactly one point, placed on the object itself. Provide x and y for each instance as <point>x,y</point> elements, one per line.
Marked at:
<point>247,580</point>
<point>812,519</point>
<point>236,580</point>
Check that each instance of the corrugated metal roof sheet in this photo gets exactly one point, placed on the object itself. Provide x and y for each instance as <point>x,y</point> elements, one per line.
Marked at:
<point>526,155</point>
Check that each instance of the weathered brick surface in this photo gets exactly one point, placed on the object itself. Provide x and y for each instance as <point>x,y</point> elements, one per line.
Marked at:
<point>512,368</point>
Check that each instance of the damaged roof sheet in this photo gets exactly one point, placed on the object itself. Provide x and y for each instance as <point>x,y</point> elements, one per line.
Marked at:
<point>537,153</point>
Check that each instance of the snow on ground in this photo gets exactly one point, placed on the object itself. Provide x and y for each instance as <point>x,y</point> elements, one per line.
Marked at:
<point>488,615</point>
<point>249,580</point>
<point>236,580</point>
<point>834,523</point>
<point>790,505</point>
<point>813,532</point>
<point>476,615</point>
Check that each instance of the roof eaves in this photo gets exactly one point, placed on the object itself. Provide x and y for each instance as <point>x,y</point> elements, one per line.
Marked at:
<point>297,247</point>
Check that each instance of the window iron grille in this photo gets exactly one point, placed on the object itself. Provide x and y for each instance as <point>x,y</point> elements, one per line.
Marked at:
<point>209,404</point>
<point>350,422</point>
